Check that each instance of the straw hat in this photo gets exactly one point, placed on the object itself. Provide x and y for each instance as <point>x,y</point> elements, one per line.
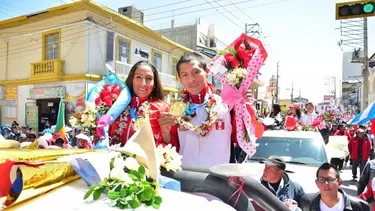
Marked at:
<point>8,144</point>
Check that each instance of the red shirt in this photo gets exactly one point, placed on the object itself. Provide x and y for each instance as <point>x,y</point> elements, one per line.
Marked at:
<point>122,128</point>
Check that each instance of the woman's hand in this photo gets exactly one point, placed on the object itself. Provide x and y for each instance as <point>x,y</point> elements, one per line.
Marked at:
<point>166,121</point>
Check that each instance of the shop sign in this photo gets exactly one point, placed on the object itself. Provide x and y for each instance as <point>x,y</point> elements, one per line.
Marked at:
<point>47,92</point>
<point>11,93</point>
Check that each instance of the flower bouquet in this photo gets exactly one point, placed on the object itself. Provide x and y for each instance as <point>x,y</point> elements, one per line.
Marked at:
<point>129,185</point>
<point>236,68</point>
<point>110,96</point>
<point>85,119</point>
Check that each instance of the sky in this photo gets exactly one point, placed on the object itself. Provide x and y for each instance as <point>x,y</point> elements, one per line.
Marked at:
<point>301,35</point>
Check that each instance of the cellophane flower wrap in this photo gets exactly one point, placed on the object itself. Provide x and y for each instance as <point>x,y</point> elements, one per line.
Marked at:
<point>110,96</point>
<point>236,68</point>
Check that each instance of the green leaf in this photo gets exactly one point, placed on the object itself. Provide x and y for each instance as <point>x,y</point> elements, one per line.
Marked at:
<point>158,200</point>
<point>155,206</point>
<point>124,192</point>
<point>97,194</point>
<point>146,194</point>
<point>113,195</point>
<point>133,177</point>
<point>89,192</point>
<point>134,204</point>
<point>123,206</point>
<point>141,170</point>
<point>111,163</point>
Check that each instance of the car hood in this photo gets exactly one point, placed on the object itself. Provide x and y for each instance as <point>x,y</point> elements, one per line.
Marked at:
<point>304,175</point>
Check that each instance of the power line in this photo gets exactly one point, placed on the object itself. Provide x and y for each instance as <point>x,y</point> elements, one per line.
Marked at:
<point>166,5</point>
<point>225,15</point>
<point>99,17</point>
<point>228,11</point>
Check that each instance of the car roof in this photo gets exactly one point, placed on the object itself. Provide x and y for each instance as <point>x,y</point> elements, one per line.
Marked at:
<point>292,134</point>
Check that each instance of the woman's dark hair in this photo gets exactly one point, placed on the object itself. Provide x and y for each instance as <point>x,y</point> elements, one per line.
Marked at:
<point>46,126</point>
<point>276,109</point>
<point>157,92</point>
<point>190,57</point>
<point>298,112</point>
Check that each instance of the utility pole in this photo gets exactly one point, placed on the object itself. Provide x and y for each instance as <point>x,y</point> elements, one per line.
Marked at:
<point>365,66</point>
<point>291,93</point>
<point>334,90</point>
<point>277,83</point>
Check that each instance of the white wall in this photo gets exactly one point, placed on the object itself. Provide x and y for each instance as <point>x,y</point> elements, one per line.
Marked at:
<point>137,57</point>
<point>22,99</point>
<point>350,71</point>
<point>96,49</point>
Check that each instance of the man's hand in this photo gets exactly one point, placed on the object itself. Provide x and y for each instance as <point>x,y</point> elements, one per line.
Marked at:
<point>249,95</point>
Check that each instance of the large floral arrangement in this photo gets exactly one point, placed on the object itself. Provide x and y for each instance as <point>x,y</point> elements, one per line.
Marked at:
<point>128,185</point>
<point>86,118</point>
<point>237,60</point>
<point>107,97</point>
<point>328,116</point>
<point>236,68</point>
<point>168,157</point>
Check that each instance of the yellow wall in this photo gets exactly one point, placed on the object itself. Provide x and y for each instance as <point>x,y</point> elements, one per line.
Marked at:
<point>27,48</point>
<point>285,105</point>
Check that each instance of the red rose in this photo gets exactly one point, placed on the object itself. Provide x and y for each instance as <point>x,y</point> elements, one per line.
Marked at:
<point>241,53</point>
<point>107,87</point>
<point>114,96</point>
<point>235,63</point>
<point>104,94</point>
<point>108,101</point>
<point>116,88</point>
<point>229,57</point>
<point>98,101</point>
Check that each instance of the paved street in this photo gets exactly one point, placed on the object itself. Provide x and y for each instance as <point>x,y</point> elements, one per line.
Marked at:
<point>349,185</point>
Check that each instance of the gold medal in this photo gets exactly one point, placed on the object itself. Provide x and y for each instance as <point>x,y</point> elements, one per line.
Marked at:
<point>138,123</point>
<point>178,108</point>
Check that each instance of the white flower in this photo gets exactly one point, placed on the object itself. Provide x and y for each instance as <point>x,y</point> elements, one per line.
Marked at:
<point>118,162</point>
<point>131,164</point>
<point>169,158</point>
<point>119,174</point>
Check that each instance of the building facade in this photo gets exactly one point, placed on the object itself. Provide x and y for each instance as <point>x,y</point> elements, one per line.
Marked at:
<point>63,51</point>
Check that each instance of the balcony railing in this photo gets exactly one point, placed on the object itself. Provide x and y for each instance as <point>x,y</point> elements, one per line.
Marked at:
<point>47,69</point>
<point>122,70</point>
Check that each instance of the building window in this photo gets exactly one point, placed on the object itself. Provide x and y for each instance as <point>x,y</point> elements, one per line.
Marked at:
<point>174,66</point>
<point>123,50</point>
<point>156,60</point>
<point>51,45</point>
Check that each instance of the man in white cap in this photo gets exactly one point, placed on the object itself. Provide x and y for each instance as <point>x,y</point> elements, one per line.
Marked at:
<point>359,149</point>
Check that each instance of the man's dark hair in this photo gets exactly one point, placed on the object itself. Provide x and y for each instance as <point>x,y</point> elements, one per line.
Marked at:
<point>326,167</point>
<point>191,57</point>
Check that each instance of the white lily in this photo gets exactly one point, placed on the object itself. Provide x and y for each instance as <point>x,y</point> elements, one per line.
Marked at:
<point>119,174</point>
<point>131,164</point>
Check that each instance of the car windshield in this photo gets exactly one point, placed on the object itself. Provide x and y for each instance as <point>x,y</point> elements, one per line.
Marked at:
<point>293,150</point>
